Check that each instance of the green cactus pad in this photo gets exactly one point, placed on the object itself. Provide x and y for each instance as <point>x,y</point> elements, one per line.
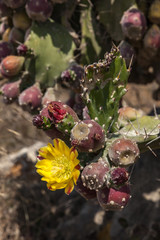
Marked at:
<point>143,129</point>
<point>104,85</point>
<point>53,49</point>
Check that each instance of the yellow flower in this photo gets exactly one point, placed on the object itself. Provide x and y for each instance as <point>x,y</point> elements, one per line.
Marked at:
<point>58,165</point>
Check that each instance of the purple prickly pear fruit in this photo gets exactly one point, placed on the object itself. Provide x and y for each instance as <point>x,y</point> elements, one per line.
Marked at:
<point>22,50</point>
<point>84,191</point>
<point>39,10</point>
<point>72,77</point>
<point>31,97</point>
<point>123,152</point>
<point>6,49</point>
<point>16,36</point>
<point>127,52</point>
<point>94,175</point>
<point>154,12</point>
<point>11,65</point>
<point>152,38</point>
<point>113,199</point>
<point>15,3</point>
<point>10,91</point>
<point>117,177</point>
<point>58,111</point>
<point>4,10</point>
<point>88,136</point>
<point>133,24</point>
<point>86,113</point>
<point>21,20</point>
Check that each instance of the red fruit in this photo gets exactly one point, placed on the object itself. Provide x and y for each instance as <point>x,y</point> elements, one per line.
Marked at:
<point>88,136</point>
<point>39,10</point>
<point>84,191</point>
<point>112,199</point>
<point>31,97</point>
<point>11,65</point>
<point>133,24</point>
<point>123,152</point>
<point>10,91</point>
<point>94,175</point>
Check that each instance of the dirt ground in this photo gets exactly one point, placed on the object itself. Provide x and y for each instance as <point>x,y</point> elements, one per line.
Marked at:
<point>29,211</point>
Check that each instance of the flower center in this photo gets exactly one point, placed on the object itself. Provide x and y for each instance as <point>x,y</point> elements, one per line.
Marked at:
<point>61,167</point>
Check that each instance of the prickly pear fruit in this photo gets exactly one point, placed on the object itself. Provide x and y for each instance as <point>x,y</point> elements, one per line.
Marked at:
<point>21,20</point>
<point>39,10</point>
<point>127,52</point>
<point>15,3</point>
<point>113,199</point>
<point>117,177</point>
<point>152,38</point>
<point>154,12</point>
<point>16,36</point>
<point>123,152</point>
<point>84,191</point>
<point>6,49</point>
<point>10,91</point>
<point>31,97</point>
<point>127,114</point>
<point>72,77</point>
<point>11,65</point>
<point>58,111</point>
<point>88,136</point>
<point>4,10</point>
<point>94,175</point>
<point>133,24</point>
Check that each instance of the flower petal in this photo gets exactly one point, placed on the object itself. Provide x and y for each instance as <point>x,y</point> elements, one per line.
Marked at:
<point>69,188</point>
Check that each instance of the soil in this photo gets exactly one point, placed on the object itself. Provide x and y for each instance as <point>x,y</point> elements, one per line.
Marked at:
<point>29,211</point>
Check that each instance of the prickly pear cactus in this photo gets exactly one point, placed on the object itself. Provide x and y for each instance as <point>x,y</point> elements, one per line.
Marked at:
<point>101,147</point>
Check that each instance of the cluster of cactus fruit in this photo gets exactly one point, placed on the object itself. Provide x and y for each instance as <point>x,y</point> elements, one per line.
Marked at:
<point>109,140</point>
<point>141,28</point>
<point>38,55</point>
